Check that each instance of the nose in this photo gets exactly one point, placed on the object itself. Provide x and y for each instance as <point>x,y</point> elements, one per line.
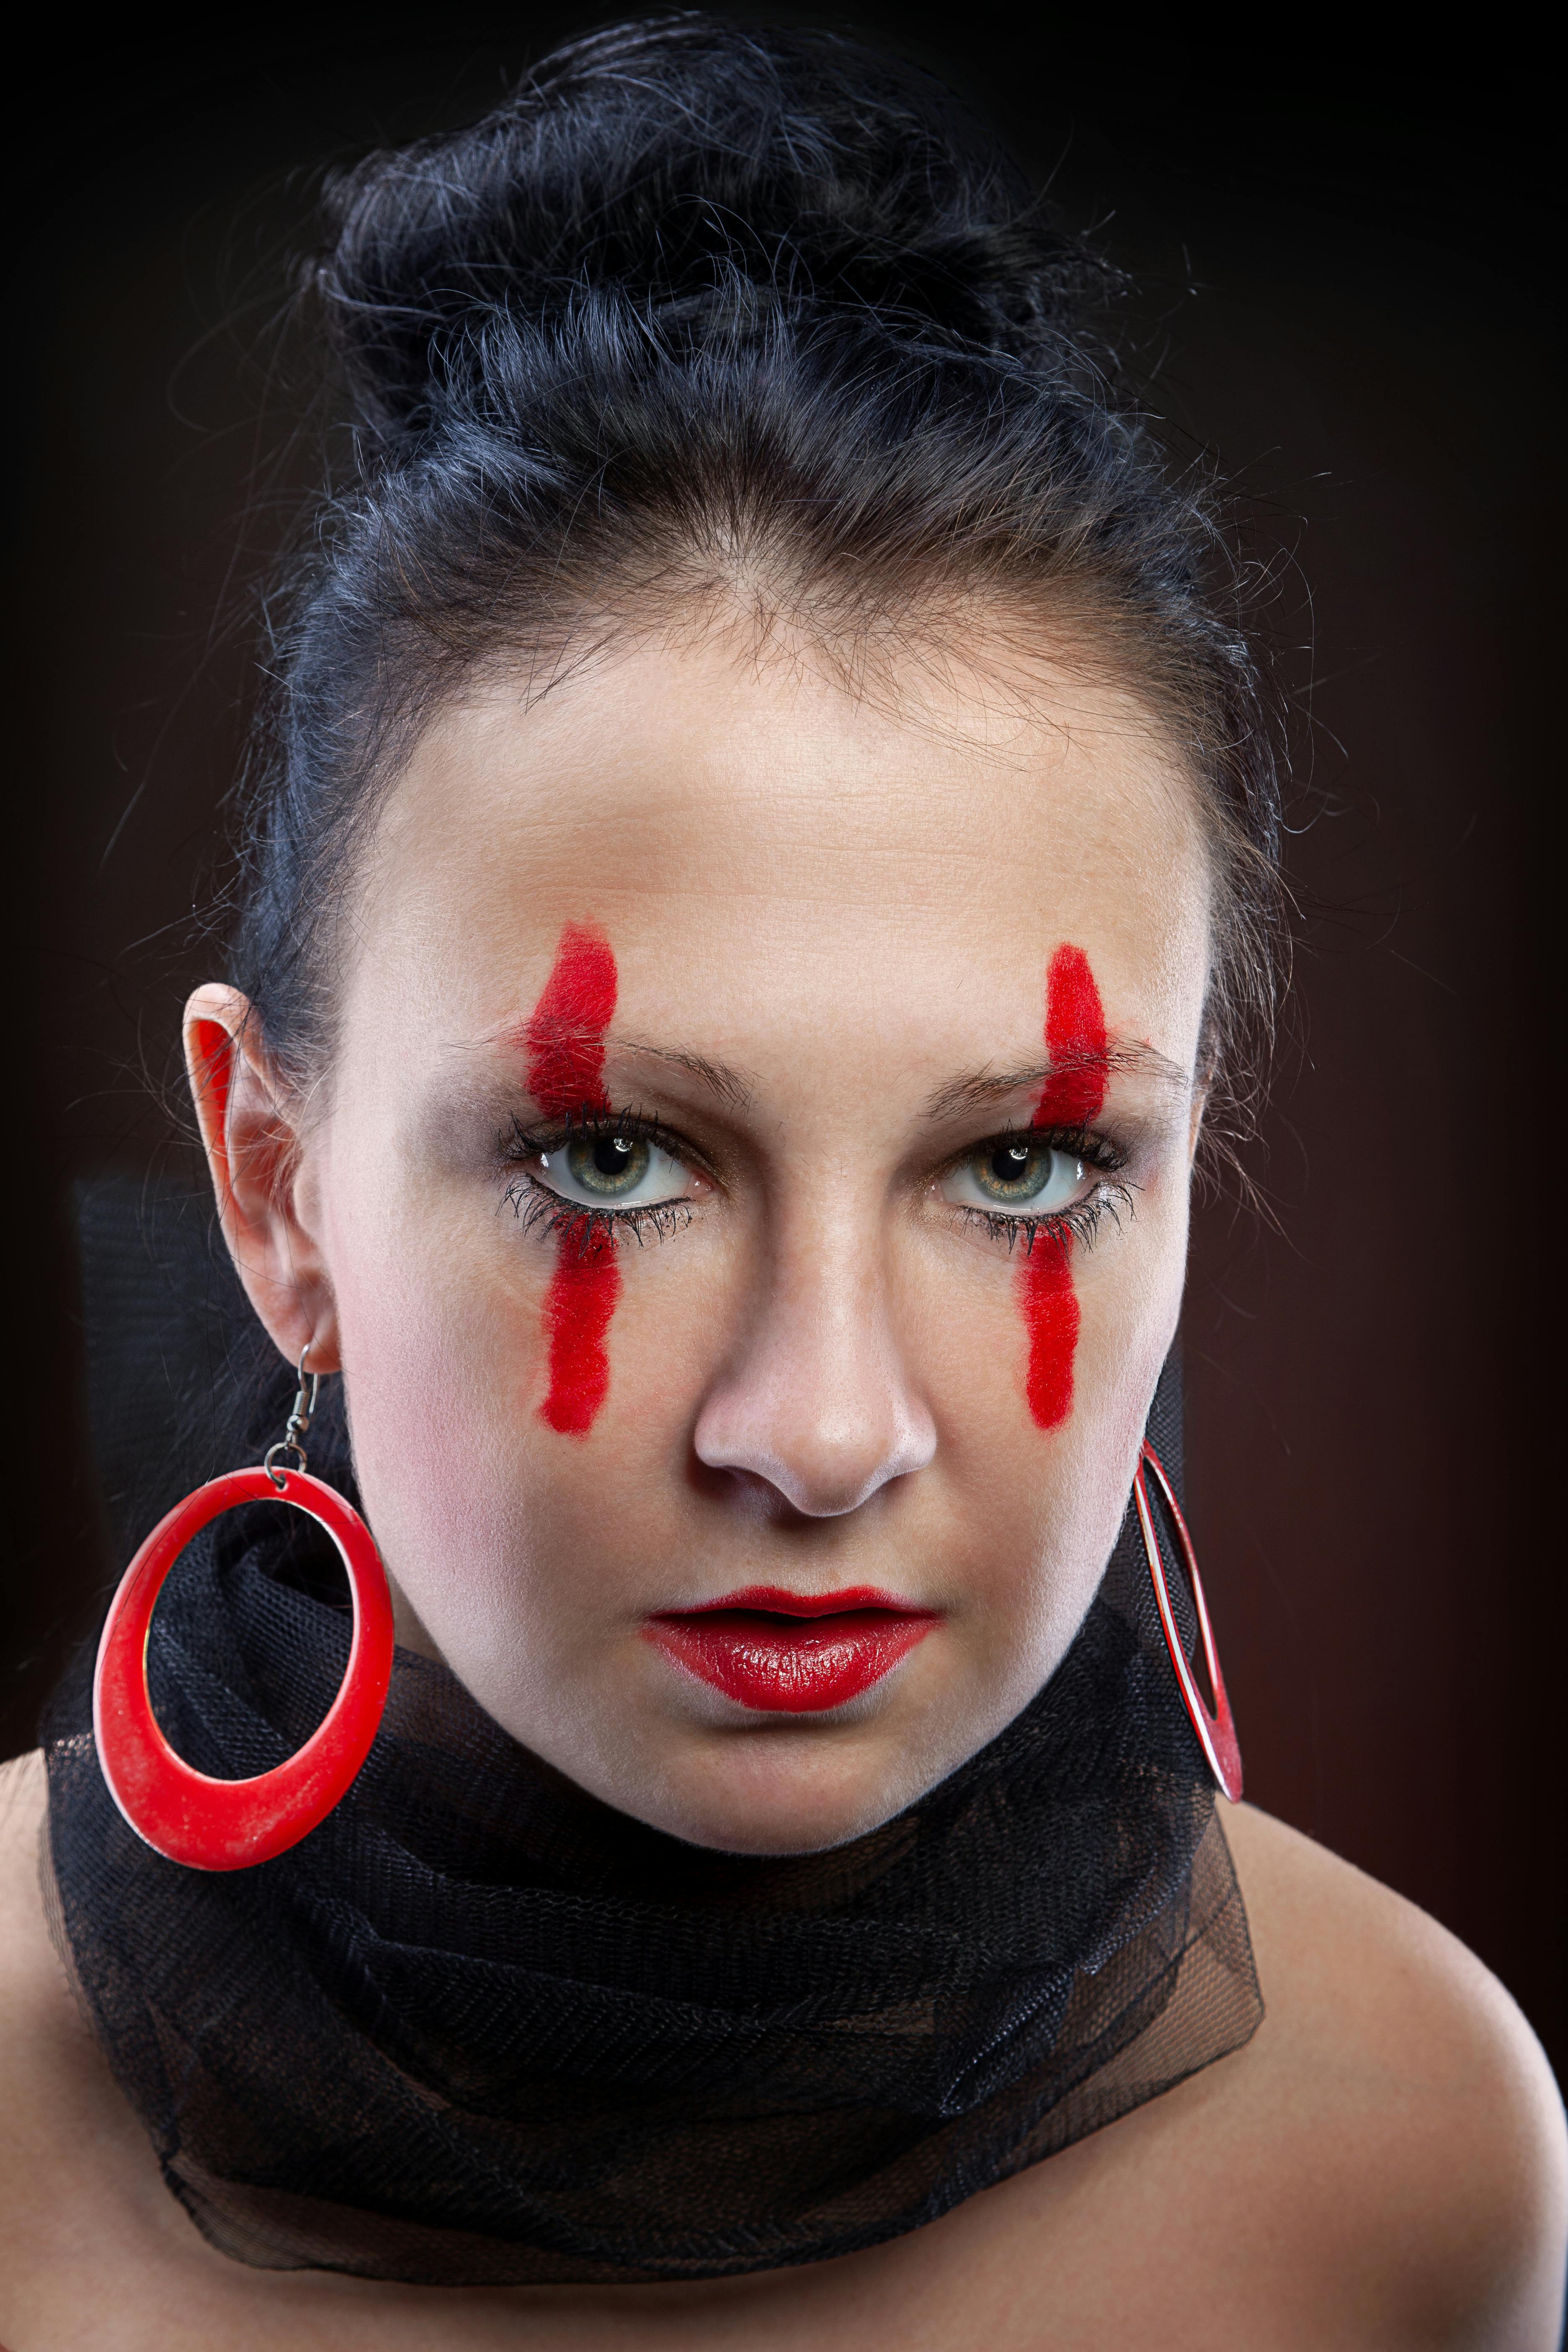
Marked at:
<point>815,1399</point>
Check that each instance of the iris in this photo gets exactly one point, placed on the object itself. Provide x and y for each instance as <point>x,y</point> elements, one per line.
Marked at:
<point>1019,1172</point>
<point>607,1166</point>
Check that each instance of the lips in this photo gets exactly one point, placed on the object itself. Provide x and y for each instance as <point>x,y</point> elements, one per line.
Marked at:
<point>791,1653</point>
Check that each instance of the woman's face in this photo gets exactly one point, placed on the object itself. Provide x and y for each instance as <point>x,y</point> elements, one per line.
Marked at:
<point>752,1175</point>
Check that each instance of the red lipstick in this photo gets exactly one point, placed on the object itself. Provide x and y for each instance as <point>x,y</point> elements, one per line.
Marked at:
<point>792,1652</point>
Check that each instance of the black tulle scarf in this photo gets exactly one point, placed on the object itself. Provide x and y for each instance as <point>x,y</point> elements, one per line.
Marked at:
<point>480,2027</point>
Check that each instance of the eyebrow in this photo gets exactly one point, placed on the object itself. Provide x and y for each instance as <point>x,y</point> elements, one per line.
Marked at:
<point>976,1088</point>
<point>971,1091</point>
<point>730,1086</point>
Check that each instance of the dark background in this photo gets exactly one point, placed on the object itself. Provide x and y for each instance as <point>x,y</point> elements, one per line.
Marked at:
<point>1346,271</point>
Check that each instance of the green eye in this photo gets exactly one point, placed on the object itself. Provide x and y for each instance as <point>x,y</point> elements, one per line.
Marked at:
<point>1015,1172</point>
<point>615,1172</point>
<point>607,1166</point>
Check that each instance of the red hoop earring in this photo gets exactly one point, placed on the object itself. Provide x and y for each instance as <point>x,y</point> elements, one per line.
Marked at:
<point>1217,1732</point>
<point>231,1824</point>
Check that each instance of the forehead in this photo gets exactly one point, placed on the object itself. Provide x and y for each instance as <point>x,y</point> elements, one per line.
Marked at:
<point>760,833</point>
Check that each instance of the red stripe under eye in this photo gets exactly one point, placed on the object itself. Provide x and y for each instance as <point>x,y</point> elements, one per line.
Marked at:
<point>565,1045</point>
<point>1072,1095</point>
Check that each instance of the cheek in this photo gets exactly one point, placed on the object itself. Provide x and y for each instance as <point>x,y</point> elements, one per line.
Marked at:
<point>1096,1344</point>
<point>508,1544</point>
<point>430,1356</point>
<point>1128,1295</point>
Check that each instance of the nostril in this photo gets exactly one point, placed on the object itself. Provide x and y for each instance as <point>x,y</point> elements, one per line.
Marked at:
<point>817,1479</point>
<point>746,1491</point>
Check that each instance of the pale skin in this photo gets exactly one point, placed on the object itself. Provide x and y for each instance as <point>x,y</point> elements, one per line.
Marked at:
<point>831,915</point>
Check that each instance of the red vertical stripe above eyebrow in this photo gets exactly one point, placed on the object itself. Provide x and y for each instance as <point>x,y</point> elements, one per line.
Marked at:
<point>565,1033</point>
<point>1075,1041</point>
<point>565,1046</point>
<point>1072,1095</point>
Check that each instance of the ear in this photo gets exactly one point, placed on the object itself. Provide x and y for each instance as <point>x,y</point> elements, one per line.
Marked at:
<point>1196,1124</point>
<point>250,1131</point>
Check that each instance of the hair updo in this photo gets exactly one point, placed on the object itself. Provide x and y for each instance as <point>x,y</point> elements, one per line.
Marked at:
<point>700,308</point>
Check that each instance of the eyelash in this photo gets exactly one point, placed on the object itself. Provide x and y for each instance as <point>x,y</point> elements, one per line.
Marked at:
<point>538,1209</point>
<point>1081,1222</point>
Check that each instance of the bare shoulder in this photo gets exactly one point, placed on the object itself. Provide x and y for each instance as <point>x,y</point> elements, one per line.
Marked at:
<point>36,2018</point>
<point>24,1799</point>
<point>1426,2130</point>
<point>67,2139</point>
<point>42,2039</point>
<point>21,1797</point>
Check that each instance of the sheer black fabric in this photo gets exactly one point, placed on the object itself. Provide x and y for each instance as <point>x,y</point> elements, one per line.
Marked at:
<point>480,2028</point>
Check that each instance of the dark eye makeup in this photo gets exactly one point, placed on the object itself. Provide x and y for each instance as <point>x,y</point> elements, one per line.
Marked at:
<point>623,1173</point>
<point>1030,1180</point>
<point>619,1171</point>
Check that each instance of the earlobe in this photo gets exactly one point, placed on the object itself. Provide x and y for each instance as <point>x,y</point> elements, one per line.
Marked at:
<point>252,1152</point>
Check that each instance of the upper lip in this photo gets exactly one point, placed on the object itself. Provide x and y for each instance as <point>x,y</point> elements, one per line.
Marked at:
<point>778,1602</point>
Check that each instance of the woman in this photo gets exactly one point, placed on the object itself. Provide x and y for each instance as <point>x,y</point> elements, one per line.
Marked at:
<point>760,880</point>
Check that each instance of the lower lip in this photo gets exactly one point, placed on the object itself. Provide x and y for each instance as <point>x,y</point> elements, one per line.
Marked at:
<point>790,1664</point>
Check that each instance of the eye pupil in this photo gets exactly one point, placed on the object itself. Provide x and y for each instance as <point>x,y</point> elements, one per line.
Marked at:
<point>1011,1163</point>
<point>1021,1172</point>
<point>609,1165</point>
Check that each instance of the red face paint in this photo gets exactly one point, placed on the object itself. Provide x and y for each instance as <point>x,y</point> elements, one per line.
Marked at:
<point>1075,1040</point>
<point>565,1044</point>
<point>1072,1095</point>
<point>582,1298</point>
<point>565,1036</point>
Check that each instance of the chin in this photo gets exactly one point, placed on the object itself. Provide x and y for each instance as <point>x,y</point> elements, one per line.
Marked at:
<point>786,1790</point>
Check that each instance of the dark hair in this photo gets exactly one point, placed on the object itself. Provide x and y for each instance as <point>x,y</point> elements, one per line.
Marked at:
<point>702,305</point>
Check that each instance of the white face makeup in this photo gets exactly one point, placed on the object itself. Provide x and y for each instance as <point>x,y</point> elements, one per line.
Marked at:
<point>683,1208</point>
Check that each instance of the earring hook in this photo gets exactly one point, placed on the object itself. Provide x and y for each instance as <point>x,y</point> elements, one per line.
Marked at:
<point>298,1423</point>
